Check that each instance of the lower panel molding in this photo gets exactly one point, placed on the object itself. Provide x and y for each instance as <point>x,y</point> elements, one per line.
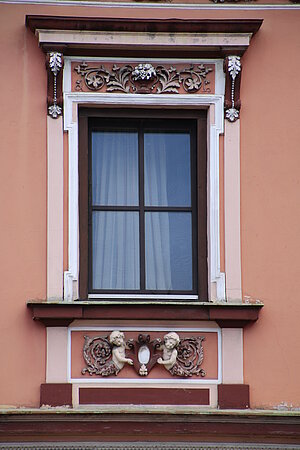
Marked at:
<point>56,394</point>
<point>233,396</point>
<point>146,396</point>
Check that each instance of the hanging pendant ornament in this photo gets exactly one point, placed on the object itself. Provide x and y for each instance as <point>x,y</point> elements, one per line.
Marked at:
<point>54,66</point>
<point>232,67</point>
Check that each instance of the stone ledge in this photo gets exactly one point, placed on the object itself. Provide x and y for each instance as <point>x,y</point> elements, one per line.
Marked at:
<point>233,315</point>
<point>126,425</point>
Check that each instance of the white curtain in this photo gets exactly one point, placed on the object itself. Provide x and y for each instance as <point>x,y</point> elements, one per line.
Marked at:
<point>157,231</point>
<point>115,168</point>
<point>116,262</point>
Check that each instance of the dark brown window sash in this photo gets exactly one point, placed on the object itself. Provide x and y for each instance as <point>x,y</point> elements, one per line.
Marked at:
<point>89,121</point>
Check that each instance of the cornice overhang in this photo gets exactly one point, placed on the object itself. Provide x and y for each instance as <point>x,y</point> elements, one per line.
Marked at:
<point>91,36</point>
<point>225,314</point>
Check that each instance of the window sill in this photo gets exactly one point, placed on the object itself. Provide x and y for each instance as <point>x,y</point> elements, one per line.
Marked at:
<point>227,315</point>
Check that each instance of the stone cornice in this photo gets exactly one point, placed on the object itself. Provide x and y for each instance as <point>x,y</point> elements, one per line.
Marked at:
<point>154,424</point>
<point>225,314</point>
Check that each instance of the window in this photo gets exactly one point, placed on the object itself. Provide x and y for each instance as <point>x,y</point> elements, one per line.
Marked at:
<point>140,207</point>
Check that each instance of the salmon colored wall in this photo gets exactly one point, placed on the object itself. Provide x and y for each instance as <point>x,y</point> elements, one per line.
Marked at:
<point>270,216</point>
<point>270,161</point>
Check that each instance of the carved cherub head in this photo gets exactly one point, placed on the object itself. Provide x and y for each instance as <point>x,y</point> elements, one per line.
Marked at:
<point>171,340</point>
<point>117,338</point>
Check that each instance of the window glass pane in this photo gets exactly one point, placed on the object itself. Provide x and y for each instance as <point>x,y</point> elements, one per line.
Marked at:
<point>168,241</point>
<point>115,168</point>
<point>116,262</point>
<point>167,169</point>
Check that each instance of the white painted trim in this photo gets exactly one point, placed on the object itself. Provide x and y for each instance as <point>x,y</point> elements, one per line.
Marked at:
<point>144,328</point>
<point>54,208</point>
<point>132,382</point>
<point>71,275</point>
<point>146,297</point>
<point>71,102</point>
<point>118,5</point>
<point>143,381</point>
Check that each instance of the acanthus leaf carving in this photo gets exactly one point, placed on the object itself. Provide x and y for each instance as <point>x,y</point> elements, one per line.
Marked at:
<point>54,65</point>
<point>233,68</point>
<point>55,62</point>
<point>144,78</point>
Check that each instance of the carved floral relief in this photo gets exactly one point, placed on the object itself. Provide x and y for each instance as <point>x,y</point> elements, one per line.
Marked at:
<point>107,355</point>
<point>232,102</point>
<point>144,78</point>
<point>54,66</point>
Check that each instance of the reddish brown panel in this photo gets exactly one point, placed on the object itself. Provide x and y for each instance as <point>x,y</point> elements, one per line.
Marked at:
<point>146,396</point>
<point>56,394</point>
<point>233,396</point>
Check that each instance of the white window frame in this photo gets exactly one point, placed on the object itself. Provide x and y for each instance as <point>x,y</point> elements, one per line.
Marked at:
<point>215,105</point>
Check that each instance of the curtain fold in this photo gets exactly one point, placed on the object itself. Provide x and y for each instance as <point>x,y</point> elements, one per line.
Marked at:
<point>116,263</point>
<point>157,234</point>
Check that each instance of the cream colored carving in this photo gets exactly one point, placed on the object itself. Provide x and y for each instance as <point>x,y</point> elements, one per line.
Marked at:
<point>171,342</point>
<point>117,339</point>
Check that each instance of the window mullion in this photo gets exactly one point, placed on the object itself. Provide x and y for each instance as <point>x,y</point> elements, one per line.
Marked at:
<point>142,209</point>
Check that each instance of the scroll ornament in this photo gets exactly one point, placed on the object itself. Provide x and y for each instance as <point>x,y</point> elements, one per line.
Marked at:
<point>144,78</point>
<point>105,356</point>
<point>108,355</point>
<point>232,106</point>
<point>182,357</point>
<point>55,67</point>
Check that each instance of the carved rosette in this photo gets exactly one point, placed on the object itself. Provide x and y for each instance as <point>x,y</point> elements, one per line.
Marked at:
<point>54,65</point>
<point>233,68</point>
<point>144,354</point>
<point>143,78</point>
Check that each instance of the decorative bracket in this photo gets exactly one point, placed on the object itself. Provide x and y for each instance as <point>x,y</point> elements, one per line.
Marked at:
<point>54,66</point>
<point>232,104</point>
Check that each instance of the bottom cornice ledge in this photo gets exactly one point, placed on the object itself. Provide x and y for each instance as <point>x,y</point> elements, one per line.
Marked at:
<point>147,446</point>
<point>153,424</point>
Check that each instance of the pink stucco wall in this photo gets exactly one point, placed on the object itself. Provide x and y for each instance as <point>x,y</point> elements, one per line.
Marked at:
<point>270,213</point>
